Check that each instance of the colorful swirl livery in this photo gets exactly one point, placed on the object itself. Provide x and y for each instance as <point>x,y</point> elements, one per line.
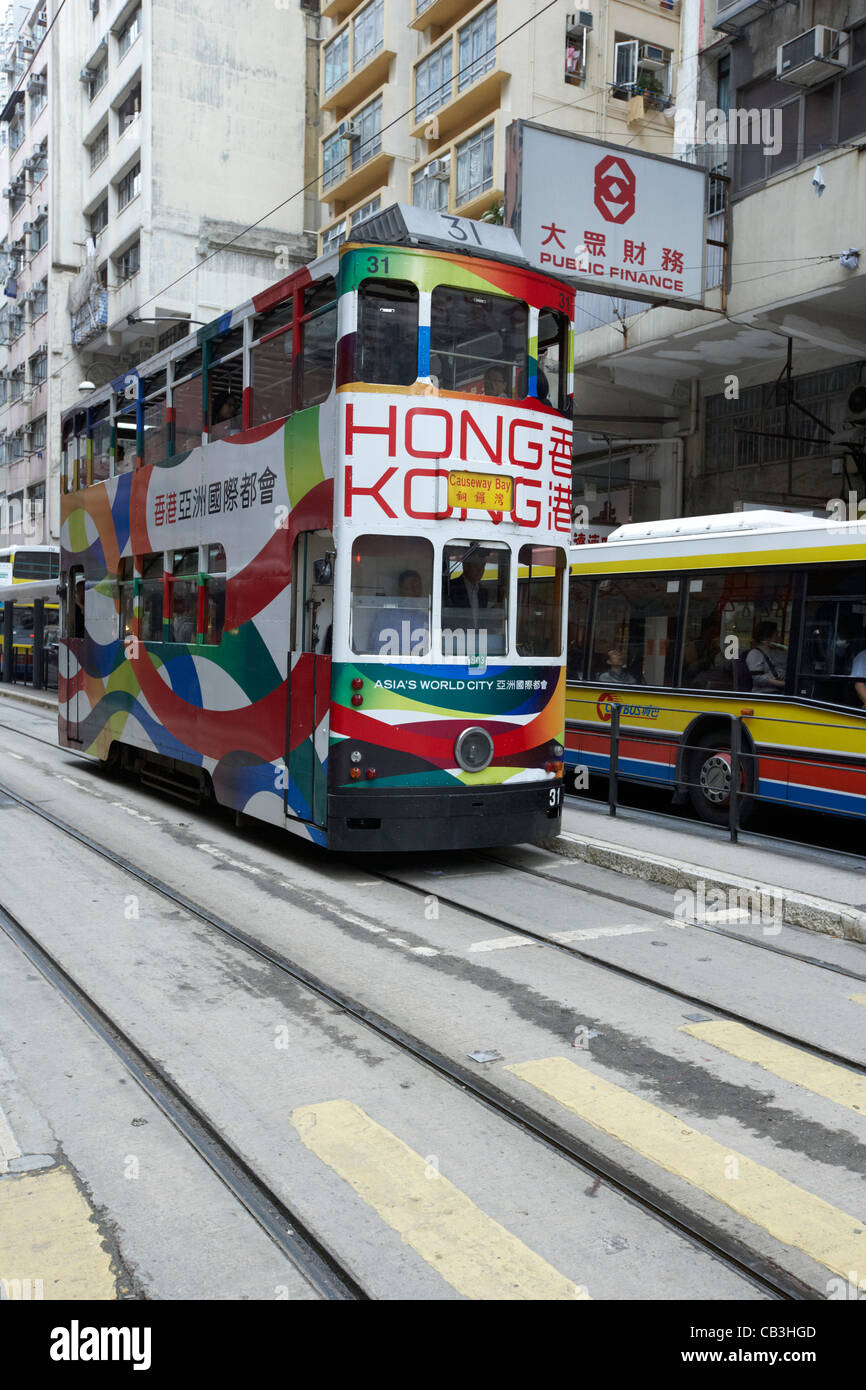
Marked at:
<point>313,556</point>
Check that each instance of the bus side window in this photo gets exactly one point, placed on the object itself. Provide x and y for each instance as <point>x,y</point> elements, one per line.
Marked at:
<point>386,350</point>
<point>318,327</point>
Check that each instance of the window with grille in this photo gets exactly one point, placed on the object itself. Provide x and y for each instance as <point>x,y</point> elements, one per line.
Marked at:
<point>129,33</point>
<point>433,81</point>
<point>333,160</point>
<point>369,122</point>
<point>98,80</point>
<point>476,52</point>
<point>38,235</point>
<point>365,210</point>
<point>129,109</point>
<point>475,165</point>
<point>368,32</point>
<point>99,148</point>
<point>336,61</point>
<point>129,186</point>
<point>128,263</point>
<point>98,220</point>
<point>38,367</point>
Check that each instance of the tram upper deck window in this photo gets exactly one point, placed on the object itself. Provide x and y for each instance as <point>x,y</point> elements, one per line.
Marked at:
<point>392,588</point>
<point>539,600</point>
<point>225,383</point>
<point>475,586</point>
<point>271,366</point>
<point>186,401</point>
<point>125,439</point>
<point>100,434</point>
<point>387,341</point>
<point>478,342</point>
<point>154,418</point>
<point>318,326</point>
<point>152,585</point>
<point>553,358</point>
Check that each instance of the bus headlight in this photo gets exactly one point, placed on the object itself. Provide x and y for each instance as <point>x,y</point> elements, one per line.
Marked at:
<point>474,750</point>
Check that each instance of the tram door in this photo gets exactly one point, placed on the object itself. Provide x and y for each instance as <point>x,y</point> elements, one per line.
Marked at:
<point>71,653</point>
<point>310,676</point>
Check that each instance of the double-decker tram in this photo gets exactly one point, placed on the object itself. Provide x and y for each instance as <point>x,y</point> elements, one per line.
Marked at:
<point>20,565</point>
<point>313,555</point>
<point>688,626</point>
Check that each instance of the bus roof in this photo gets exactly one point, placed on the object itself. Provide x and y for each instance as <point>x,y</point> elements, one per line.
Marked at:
<point>725,523</point>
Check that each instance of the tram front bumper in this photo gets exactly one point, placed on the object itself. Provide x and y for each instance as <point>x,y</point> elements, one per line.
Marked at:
<point>402,818</point>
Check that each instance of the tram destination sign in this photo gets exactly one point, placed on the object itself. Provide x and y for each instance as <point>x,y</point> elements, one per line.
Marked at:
<point>609,219</point>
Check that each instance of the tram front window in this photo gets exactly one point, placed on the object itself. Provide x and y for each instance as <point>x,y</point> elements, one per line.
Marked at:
<point>539,600</point>
<point>387,343</point>
<point>478,343</point>
<point>392,587</point>
<point>475,579</point>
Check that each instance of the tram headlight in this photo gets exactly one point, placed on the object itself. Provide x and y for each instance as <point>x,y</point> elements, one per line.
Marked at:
<point>474,750</point>
<point>355,755</point>
<point>556,750</point>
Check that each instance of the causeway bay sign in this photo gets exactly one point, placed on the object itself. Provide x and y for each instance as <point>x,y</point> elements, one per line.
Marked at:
<point>612,220</point>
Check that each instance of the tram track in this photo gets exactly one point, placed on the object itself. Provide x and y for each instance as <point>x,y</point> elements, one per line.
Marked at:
<point>763,1272</point>
<point>634,976</point>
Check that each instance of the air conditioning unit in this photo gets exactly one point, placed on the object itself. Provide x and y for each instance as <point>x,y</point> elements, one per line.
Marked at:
<point>28,227</point>
<point>578,23</point>
<point>36,86</point>
<point>87,74</point>
<point>652,57</point>
<point>30,163</point>
<point>349,130</point>
<point>439,169</point>
<point>7,192</point>
<point>42,210</point>
<point>812,57</point>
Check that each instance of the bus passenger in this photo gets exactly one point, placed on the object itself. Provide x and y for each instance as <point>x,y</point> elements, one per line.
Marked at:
<point>767,660</point>
<point>616,672</point>
<point>858,671</point>
<point>405,630</point>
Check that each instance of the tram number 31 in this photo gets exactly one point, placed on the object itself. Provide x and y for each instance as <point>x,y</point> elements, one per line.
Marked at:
<point>554,796</point>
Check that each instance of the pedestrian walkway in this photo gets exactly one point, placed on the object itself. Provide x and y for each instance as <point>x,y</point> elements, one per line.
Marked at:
<point>815,891</point>
<point>44,699</point>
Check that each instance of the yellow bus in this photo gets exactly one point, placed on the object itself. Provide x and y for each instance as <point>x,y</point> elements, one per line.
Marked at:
<point>691,626</point>
<point>23,564</point>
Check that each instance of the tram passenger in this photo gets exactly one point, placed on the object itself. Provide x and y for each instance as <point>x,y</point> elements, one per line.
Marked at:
<point>226,415</point>
<point>767,660</point>
<point>496,382</point>
<point>466,592</point>
<point>405,630</point>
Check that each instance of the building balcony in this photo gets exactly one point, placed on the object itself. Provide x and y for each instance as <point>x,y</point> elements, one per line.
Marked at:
<point>358,152</point>
<point>438,14</point>
<point>91,319</point>
<point>466,176</point>
<point>338,10</point>
<point>459,79</point>
<point>356,59</point>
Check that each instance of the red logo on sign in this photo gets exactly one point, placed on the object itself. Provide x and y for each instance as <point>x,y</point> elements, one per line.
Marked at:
<point>615,189</point>
<point>604,708</point>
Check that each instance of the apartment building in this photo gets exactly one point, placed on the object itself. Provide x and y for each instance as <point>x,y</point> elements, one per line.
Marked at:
<point>24,388</point>
<point>754,393</point>
<point>417,94</point>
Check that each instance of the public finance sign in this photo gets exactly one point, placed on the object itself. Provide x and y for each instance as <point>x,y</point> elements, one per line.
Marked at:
<point>614,221</point>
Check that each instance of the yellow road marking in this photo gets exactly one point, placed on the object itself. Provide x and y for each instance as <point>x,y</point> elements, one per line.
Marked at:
<point>47,1234</point>
<point>789,1213</point>
<point>857,998</point>
<point>789,1063</point>
<point>472,1252</point>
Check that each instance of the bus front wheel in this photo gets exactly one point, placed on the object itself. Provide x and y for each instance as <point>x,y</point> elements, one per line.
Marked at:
<point>710,779</point>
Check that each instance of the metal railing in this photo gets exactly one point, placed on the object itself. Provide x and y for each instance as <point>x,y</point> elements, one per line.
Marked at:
<point>744,764</point>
